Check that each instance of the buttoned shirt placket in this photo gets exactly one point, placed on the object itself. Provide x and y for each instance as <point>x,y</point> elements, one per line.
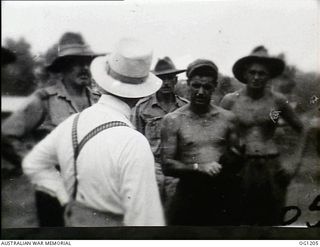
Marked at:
<point>63,94</point>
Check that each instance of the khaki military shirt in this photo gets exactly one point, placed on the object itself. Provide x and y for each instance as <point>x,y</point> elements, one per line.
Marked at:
<point>43,111</point>
<point>147,119</point>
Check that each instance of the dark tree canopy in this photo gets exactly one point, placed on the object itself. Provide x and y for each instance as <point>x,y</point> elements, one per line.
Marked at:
<point>18,78</point>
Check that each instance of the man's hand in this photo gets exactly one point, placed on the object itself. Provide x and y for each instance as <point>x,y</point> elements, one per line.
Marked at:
<point>212,168</point>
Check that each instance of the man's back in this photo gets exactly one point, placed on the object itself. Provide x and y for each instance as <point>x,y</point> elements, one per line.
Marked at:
<point>108,165</point>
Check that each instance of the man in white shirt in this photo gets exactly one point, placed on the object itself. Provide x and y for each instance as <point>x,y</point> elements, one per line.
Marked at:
<point>112,180</point>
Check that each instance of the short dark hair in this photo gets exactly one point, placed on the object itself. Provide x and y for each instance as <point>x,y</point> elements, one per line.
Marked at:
<point>202,67</point>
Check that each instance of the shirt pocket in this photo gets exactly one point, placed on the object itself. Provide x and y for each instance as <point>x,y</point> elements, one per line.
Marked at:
<point>152,131</point>
<point>153,128</point>
<point>58,110</point>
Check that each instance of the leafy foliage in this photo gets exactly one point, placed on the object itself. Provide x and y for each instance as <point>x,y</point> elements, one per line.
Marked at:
<point>29,72</point>
<point>44,77</point>
<point>18,78</point>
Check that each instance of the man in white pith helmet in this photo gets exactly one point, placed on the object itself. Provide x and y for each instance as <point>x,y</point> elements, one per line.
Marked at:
<point>107,168</point>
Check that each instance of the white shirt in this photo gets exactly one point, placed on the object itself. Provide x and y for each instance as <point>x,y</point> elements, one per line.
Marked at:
<point>116,167</point>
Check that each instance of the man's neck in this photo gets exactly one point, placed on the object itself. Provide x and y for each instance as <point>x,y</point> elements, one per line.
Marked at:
<point>165,97</point>
<point>255,94</point>
<point>200,110</point>
<point>74,90</point>
<point>131,102</point>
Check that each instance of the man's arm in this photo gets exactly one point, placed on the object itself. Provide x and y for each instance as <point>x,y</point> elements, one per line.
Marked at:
<point>169,147</point>
<point>232,160</point>
<point>293,120</point>
<point>310,137</point>
<point>39,166</point>
<point>289,115</point>
<point>26,119</point>
<point>139,191</point>
<point>234,141</point>
<point>18,125</point>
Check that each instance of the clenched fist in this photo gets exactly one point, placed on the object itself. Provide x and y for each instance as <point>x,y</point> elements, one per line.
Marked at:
<point>212,168</point>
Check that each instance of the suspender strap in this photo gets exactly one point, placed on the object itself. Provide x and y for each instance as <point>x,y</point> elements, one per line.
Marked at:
<point>96,130</point>
<point>75,153</point>
<point>75,137</point>
<point>78,147</point>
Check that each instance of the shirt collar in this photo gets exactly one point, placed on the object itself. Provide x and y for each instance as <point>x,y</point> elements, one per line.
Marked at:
<point>116,104</point>
<point>179,102</point>
<point>154,100</point>
<point>62,92</point>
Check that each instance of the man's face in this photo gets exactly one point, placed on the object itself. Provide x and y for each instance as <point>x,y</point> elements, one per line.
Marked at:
<point>201,89</point>
<point>78,72</point>
<point>168,83</point>
<point>256,75</point>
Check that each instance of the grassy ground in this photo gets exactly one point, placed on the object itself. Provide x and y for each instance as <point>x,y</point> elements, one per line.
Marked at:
<point>17,196</point>
<point>305,185</point>
<point>17,207</point>
<point>18,210</point>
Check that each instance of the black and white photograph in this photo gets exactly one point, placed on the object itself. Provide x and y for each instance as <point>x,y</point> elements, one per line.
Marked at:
<point>176,119</point>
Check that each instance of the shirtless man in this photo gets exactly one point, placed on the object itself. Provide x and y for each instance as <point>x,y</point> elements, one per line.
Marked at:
<point>149,113</point>
<point>193,139</point>
<point>258,110</point>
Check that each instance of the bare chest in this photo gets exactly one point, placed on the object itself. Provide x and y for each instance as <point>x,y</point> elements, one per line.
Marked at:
<point>258,112</point>
<point>203,132</point>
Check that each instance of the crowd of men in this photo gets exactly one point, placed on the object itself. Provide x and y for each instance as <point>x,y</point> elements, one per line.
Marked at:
<point>131,152</point>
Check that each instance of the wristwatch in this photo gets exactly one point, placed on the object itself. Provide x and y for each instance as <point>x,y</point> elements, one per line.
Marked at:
<point>195,166</point>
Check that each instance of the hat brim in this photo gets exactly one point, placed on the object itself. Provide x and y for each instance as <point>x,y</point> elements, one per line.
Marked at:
<point>168,72</point>
<point>122,89</point>
<point>59,62</point>
<point>275,66</point>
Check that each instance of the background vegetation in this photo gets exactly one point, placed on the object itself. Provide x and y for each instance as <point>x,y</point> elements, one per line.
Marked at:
<point>29,73</point>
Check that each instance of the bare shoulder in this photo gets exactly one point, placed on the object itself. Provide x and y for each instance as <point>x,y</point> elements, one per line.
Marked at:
<point>226,114</point>
<point>233,96</point>
<point>229,99</point>
<point>176,116</point>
